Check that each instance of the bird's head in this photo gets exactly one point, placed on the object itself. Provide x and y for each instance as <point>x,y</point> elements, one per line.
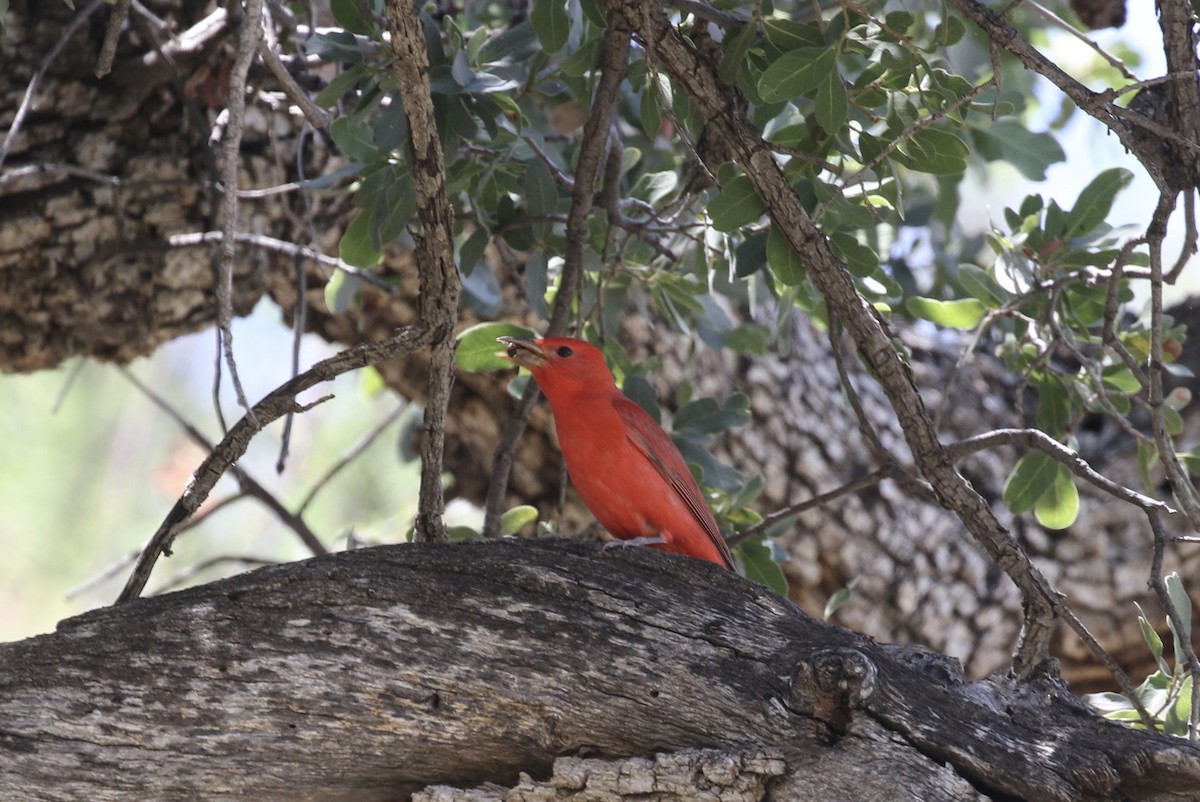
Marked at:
<point>560,365</point>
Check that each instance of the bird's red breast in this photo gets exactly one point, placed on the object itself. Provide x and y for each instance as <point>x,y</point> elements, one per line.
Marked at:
<point>625,467</point>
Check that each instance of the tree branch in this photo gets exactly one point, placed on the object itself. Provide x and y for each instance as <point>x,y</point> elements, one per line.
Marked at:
<point>370,674</point>
<point>276,404</point>
<point>440,283</point>
<point>717,102</point>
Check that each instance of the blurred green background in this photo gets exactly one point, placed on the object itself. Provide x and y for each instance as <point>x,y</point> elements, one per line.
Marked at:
<point>90,466</point>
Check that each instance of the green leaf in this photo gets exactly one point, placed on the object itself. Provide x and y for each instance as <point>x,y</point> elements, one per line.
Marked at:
<point>965,313</point>
<point>749,338</point>
<point>345,13</point>
<point>477,347</point>
<point>516,519</point>
<point>340,85</point>
<point>831,103</point>
<point>340,291</point>
<point>355,138</point>
<point>1095,202</point>
<point>1183,605</point>
<point>736,206</point>
<point>655,187</point>
<point>982,285</point>
<point>355,247</point>
<point>1054,405</point>
<point>838,599</point>
<point>472,250</point>
<point>1179,713</point>
<point>393,211</point>
<point>706,416</point>
<point>860,259</point>
<point>648,113</point>
<point>786,34</point>
<point>797,72</point>
<point>1153,641</point>
<point>736,48</point>
<point>1058,507</point>
<point>937,152</point>
<point>638,390</point>
<point>514,44</point>
<point>1010,141</point>
<point>785,263</point>
<point>1032,476</point>
<point>1190,460</point>
<point>541,196</point>
<point>759,566</point>
<point>535,282</point>
<point>551,23</point>
<point>1120,378</point>
<point>584,59</point>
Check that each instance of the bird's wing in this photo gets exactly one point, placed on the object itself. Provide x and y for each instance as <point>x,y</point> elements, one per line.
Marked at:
<point>649,438</point>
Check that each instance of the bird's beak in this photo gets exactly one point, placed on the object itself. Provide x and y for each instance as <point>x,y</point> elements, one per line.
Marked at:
<point>522,352</point>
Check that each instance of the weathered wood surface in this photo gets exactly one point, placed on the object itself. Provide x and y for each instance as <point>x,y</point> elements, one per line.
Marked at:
<point>370,674</point>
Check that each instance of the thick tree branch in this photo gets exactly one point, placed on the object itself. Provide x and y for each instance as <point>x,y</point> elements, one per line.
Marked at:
<point>366,675</point>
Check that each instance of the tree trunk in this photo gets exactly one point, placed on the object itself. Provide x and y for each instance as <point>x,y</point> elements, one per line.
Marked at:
<point>368,675</point>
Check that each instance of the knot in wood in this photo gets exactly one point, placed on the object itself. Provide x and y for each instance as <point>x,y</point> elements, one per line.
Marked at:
<point>847,673</point>
<point>832,684</point>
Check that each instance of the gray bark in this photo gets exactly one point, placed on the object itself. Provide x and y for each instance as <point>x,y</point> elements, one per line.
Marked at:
<point>368,675</point>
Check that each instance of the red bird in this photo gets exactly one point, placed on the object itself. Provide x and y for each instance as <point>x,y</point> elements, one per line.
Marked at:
<point>625,467</point>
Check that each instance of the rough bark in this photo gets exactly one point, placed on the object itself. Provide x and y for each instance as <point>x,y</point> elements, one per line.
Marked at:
<point>371,674</point>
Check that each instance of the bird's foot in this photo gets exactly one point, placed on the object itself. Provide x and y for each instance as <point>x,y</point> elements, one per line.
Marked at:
<point>635,541</point>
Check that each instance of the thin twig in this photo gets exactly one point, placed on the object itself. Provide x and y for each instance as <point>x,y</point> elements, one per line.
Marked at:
<point>280,246</point>
<point>862,483</point>
<point>353,453</point>
<point>317,117</point>
<point>1071,30</point>
<point>235,443</point>
<point>248,37</point>
<point>248,484</point>
<point>179,579</point>
<point>1040,441</point>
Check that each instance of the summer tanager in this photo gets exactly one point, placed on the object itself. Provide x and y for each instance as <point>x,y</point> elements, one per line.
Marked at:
<point>625,467</point>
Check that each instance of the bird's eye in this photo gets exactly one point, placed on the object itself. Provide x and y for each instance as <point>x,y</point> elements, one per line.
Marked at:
<point>565,350</point>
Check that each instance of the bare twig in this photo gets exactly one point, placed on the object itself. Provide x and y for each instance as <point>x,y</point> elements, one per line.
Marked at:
<point>1071,30</point>
<point>353,453</point>
<point>281,246</point>
<point>181,578</point>
<point>248,38</point>
<point>862,483</point>
<point>234,444</point>
<point>1039,440</point>
<point>249,485</point>
<point>317,117</point>
<point>108,50</point>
